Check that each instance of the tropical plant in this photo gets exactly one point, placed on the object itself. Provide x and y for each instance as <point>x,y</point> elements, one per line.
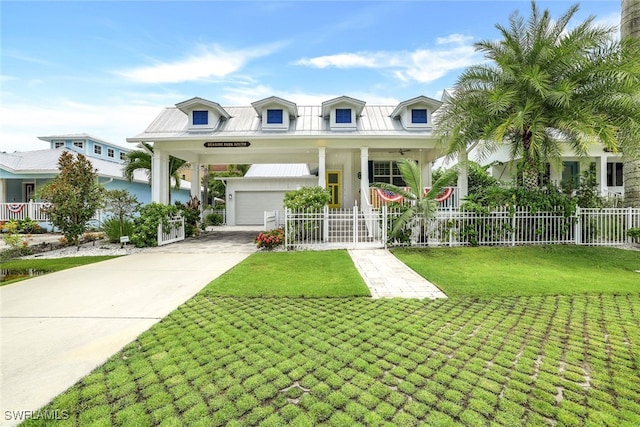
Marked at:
<point>74,196</point>
<point>420,202</point>
<point>546,86</point>
<point>143,159</point>
<point>123,205</point>
<point>115,228</point>
<point>630,27</point>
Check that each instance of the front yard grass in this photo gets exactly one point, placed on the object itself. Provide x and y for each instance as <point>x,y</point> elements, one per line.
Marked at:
<point>49,265</point>
<point>227,361</point>
<point>526,270</point>
<point>292,274</point>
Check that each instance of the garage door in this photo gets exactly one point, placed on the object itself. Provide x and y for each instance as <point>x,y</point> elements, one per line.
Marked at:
<point>250,205</point>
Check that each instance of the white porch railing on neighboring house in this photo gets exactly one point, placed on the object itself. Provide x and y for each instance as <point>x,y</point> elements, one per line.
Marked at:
<point>171,232</point>
<point>449,199</point>
<point>329,229</point>
<point>20,211</point>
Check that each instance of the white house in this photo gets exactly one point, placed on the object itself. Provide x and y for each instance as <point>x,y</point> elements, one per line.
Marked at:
<point>344,143</point>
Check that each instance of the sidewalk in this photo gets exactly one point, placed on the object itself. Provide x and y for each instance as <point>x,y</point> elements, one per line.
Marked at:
<point>387,277</point>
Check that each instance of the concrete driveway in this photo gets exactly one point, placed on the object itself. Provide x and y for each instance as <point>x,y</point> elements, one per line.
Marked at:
<point>57,328</point>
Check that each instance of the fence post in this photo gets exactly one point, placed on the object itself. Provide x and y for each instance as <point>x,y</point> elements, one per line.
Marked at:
<point>325,224</point>
<point>578,226</point>
<point>355,226</point>
<point>385,218</point>
<point>449,224</point>
<point>514,222</point>
<point>629,224</point>
<point>286,228</point>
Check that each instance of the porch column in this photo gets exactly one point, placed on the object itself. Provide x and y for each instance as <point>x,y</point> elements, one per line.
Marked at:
<point>160,177</point>
<point>604,189</point>
<point>322,168</point>
<point>463,182</point>
<point>426,173</point>
<point>364,176</point>
<point>195,180</point>
<point>3,190</point>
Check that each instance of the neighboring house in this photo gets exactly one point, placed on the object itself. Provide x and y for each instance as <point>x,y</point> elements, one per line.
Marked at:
<point>346,143</point>
<point>22,174</point>
<point>607,167</point>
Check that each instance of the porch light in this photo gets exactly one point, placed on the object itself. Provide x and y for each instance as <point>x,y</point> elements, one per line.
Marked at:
<point>230,196</point>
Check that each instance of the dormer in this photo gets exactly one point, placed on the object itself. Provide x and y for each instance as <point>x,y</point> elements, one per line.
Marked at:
<point>342,112</point>
<point>415,113</point>
<point>203,114</point>
<point>275,113</point>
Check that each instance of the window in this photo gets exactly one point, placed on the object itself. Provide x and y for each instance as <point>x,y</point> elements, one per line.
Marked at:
<point>58,144</point>
<point>418,115</point>
<point>123,155</point>
<point>614,175</point>
<point>111,152</point>
<point>387,172</point>
<point>274,116</point>
<point>200,117</point>
<point>79,144</point>
<point>343,115</point>
<point>97,149</point>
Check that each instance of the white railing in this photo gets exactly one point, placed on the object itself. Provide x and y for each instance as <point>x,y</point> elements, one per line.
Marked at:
<point>20,211</point>
<point>172,232</point>
<point>449,199</point>
<point>271,220</point>
<point>515,226</point>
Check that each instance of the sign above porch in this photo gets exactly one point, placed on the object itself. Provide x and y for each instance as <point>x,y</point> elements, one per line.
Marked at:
<point>228,144</point>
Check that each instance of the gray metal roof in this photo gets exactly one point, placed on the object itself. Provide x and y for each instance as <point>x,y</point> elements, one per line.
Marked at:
<point>172,123</point>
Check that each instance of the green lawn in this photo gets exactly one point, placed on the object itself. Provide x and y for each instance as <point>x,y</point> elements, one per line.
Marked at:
<point>219,360</point>
<point>293,274</point>
<point>49,265</point>
<point>526,270</point>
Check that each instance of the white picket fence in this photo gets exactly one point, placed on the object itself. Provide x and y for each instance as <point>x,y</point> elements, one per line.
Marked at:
<point>173,232</point>
<point>452,227</point>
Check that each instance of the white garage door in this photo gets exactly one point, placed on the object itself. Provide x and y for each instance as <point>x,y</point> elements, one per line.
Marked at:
<point>250,205</point>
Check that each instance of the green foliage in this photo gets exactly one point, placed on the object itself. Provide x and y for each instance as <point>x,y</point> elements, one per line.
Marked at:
<point>270,239</point>
<point>190,211</point>
<point>307,199</point>
<point>216,186</point>
<point>114,228</point>
<point>145,226</point>
<point>478,178</point>
<point>214,219</point>
<point>634,233</point>
<point>17,246</point>
<point>548,85</point>
<point>74,194</point>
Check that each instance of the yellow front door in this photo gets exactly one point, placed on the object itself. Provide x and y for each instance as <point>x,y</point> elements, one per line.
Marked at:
<point>333,185</point>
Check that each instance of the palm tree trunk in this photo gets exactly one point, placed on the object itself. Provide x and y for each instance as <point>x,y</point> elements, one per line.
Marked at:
<point>630,27</point>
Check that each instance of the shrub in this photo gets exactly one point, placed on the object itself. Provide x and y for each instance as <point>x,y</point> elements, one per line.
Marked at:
<point>270,239</point>
<point>191,213</point>
<point>634,233</point>
<point>145,227</point>
<point>112,228</point>
<point>307,199</point>
<point>214,219</point>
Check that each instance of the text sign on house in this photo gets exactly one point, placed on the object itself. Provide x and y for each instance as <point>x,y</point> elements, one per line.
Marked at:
<point>230,144</point>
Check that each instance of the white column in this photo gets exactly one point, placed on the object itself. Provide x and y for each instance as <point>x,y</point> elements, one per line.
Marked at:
<point>195,181</point>
<point>160,177</point>
<point>364,176</point>
<point>426,172</point>
<point>322,167</point>
<point>604,189</point>
<point>463,182</point>
<point>3,190</point>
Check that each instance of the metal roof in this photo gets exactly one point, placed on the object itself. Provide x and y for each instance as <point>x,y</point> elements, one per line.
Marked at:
<point>375,120</point>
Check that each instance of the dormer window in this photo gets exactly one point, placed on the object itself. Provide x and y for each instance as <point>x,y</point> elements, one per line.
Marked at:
<point>58,144</point>
<point>274,117</point>
<point>200,117</point>
<point>419,115</point>
<point>79,144</point>
<point>97,149</point>
<point>343,115</point>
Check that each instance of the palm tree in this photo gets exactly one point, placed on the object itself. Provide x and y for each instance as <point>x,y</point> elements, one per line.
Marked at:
<point>546,87</point>
<point>630,27</point>
<point>420,202</point>
<point>142,160</point>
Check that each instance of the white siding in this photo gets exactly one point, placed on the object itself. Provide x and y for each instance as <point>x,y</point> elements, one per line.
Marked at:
<point>250,205</point>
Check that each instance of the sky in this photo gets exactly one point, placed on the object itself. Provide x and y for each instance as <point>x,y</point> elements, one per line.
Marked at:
<point>109,68</point>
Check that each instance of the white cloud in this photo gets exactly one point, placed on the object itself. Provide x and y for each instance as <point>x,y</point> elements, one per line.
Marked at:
<point>454,52</point>
<point>209,62</point>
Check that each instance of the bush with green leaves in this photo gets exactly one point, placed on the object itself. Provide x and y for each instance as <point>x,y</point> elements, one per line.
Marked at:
<point>17,245</point>
<point>145,226</point>
<point>114,229</point>
<point>634,233</point>
<point>270,239</point>
<point>213,219</point>
<point>190,211</point>
<point>307,199</point>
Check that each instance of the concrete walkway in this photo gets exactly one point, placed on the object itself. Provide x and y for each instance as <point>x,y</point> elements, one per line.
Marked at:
<point>57,328</point>
<point>387,277</point>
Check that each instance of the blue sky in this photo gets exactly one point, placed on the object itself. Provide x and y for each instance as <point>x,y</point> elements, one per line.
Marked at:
<point>108,68</point>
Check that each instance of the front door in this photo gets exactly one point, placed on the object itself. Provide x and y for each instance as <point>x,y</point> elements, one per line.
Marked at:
<point>29,190</point>
<point>333,185</point>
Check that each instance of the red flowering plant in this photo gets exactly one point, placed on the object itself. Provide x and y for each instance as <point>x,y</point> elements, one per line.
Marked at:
<point>270,239</point>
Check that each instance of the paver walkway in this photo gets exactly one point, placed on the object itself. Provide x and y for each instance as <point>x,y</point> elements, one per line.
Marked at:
<point>387,277</point>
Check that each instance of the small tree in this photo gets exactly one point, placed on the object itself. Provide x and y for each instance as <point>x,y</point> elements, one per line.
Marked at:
<point>123,205</point>
<point>307,199</point>
<point>74,194</point>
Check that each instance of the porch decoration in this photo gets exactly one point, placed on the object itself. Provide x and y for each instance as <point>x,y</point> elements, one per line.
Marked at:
<point>388,196</point>
<point>15,208</point>
<point>447,193</point>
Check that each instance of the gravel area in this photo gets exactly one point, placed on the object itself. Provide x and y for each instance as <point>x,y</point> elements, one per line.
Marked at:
<point>99,247</point>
